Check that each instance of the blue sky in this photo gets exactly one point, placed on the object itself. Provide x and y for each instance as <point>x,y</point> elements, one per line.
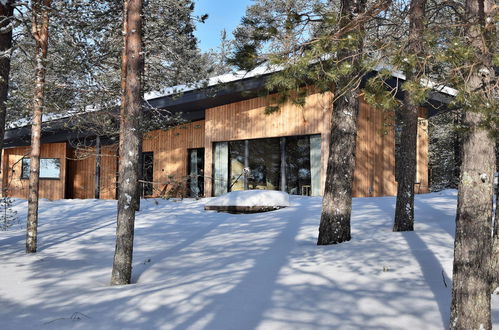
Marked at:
<point>222,14</point>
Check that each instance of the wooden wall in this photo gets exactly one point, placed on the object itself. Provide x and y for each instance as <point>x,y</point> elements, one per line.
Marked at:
<point>375,163</point>
<point>81,172</point>
<point>375,155</point>
<point>17,187</point>
<point>247,120</point>
<point>108,171</point>
<point>170,151</point>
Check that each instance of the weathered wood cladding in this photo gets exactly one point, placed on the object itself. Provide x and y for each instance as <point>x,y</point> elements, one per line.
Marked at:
<point>17,187</point>
<point>170,151</point>
<point>375,169</point>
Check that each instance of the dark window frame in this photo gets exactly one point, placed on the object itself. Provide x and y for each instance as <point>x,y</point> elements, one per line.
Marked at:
<point>25,174</point>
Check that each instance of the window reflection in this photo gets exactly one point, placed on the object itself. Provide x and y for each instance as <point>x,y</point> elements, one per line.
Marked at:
<point>50,168</point>
<point>264,164</point>
<point>263,157</point>
<point>298,165</point>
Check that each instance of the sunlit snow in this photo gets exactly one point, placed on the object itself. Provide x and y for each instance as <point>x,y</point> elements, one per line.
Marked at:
<point>196,269</point>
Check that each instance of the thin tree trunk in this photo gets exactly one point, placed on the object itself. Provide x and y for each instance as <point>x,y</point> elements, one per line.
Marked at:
<point>6,12</point>
<point>470,308</point>
<point>40,33</point>
<point>129,153</point>
<point>337,200</point>
<point>494,264</point>
<point>124,62</point>
<point>408,114</point>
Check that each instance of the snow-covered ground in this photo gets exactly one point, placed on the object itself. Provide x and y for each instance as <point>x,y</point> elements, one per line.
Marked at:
<point>196,269</point>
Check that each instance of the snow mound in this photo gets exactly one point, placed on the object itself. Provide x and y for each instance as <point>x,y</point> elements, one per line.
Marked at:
<point>249,201</point>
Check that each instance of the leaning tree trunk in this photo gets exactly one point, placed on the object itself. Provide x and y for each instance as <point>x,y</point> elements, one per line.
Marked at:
<point>40,31</point>
<point>337,200</point>
<point>6,12</point>
<point>470,308</point>
<point>408,114</point>
<point>129,152</point>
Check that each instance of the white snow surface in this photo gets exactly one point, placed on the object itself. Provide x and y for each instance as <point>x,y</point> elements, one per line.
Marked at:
<point>196,269</point>
<point>251,198</point>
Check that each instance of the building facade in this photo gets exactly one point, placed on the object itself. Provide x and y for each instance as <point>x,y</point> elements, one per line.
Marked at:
<point>229,144</point>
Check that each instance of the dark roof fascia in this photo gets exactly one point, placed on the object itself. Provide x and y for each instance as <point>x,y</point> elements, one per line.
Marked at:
<point>209,97</point>
<point>436,103</point>
<point>190,105</point>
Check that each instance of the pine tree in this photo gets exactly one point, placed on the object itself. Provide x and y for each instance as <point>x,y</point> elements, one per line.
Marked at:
<point>408,114</point>
<point>40,32</point>
<point>6,27</point>
<point>316,45</point>
<point>129,151</point>
<point>472,59</point>
<point>83,61</point>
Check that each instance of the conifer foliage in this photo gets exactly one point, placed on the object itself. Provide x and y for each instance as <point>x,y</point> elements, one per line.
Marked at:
<point>321,44</point>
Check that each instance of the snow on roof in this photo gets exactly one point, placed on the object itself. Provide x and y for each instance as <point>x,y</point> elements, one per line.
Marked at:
<point>424,82</point>
<point>169,91</point>
<point>222,79</point>
<point>213,81</point>
<point>47,117</point>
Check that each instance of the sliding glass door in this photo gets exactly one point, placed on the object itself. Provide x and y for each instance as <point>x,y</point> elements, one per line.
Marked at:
<point>290,164</point>
<point>196,172</point>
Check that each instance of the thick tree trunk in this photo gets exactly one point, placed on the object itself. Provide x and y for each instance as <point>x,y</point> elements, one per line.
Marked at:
<point>408,114</point>
<point>6,12</point>
<point>472,248</point>
<point>337,200</point>
<point>129,153</point>
<point>40,33</point>
<point>470,308</point>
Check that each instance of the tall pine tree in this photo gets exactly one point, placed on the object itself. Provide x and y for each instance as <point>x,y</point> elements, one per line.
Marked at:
<point>40,31</point>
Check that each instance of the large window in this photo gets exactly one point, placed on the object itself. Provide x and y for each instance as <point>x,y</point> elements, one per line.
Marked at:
<point>147,173</point>
<point>263,159</point>
<point>196,172</point>
<point>298,176</point>
<point>50,168</point>
<point>290,164</point>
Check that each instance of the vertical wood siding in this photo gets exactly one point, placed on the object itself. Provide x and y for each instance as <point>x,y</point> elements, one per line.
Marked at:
<point>170,151</point>
<point>49,188</point>
<point>375,154</point>
<point>81,175</point>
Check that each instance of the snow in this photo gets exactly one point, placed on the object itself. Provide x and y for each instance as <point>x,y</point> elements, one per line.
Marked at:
<point>251,198</point>
<point>213,81</point>
<point>424,82</point>
<point>196,269</point>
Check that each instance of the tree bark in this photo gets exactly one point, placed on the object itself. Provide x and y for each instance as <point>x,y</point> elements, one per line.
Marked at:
<point>129,152</point>
<point>337,200</point>
<point>6,12</point>
<point>40,31</point>
<point>124,61</point>
<point>408,114</point>
<point>470,308</point>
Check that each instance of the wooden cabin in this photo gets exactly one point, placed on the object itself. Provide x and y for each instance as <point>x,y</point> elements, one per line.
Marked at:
<point>228,143</point>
